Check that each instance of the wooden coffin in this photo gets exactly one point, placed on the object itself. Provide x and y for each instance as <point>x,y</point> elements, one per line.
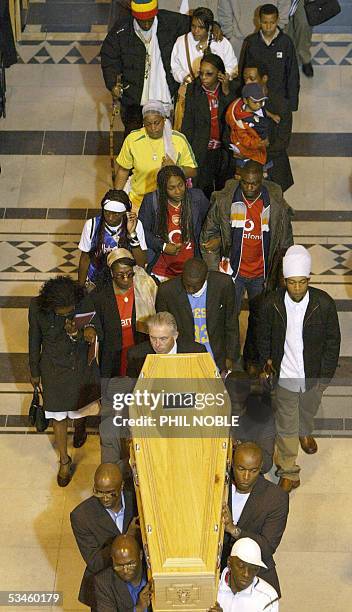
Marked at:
<point>181,483</point>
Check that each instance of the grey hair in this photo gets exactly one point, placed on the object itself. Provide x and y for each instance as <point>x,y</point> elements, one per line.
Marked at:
<point>162,318</point>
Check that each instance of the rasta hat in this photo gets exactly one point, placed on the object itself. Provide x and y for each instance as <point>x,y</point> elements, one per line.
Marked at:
<point>144,9</point>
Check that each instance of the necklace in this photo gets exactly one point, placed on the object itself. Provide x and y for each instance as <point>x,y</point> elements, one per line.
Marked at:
<point>155,155</point>
<point>253,202</point>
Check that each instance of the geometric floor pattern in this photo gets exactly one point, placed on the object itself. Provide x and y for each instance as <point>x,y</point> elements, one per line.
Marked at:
<point>60,257</point>
<point>87,52</point>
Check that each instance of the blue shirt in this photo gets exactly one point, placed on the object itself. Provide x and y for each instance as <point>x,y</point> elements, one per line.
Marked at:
<point>198,303</point>
<point>118,517</point>
<point>135,590</point>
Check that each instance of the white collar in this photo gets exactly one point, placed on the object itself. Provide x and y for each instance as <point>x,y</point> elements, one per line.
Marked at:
<point>200,292</point>
<point>302,305</point>
<point>276,34</point>
<point>174,349</point>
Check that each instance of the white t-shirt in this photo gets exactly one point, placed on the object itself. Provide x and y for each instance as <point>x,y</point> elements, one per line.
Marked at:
<point>238,503</point>
<point>292,374</point>
<point>85,243</point>
<point>179,64</point>
<point>255,598</point>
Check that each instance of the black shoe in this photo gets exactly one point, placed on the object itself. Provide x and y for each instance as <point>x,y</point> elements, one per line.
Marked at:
<point>65,473</point>
<point>308,70</point>
<point>80,434</point>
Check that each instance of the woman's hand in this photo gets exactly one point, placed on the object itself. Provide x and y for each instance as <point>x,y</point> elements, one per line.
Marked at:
<point>224,80</point>
<point>89,334</point>
<point>131,222</point>
<point>70,327</point>
<point>167,161</point>
<point>35,381</point>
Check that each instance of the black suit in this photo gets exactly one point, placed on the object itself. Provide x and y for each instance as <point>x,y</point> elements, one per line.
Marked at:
<point>221,315</point>
<point>263,519</point>
<point>137,354</point>
<point>112,593</point>
<point>109,317</point>
<point>95,531</point>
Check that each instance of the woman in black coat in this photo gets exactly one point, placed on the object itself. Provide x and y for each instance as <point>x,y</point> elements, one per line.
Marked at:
<point>122,304</point>
<point>58,358</point>
<point>207,99</point>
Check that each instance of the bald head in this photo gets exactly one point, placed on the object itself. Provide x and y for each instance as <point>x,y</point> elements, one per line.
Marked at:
<point>127,558</point>
<point>125,543</point>
<point>247,449</point>
<point>108,474</point>
<point>247,463</point>
<point>195,272</point>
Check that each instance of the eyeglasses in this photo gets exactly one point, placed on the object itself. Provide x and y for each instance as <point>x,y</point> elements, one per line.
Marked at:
<point>101,494</point>
<point>131,565</point>
<point>123,275</point>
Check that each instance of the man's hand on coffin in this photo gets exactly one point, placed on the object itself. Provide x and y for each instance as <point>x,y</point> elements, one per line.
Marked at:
<point>227,518</point>
<point>144,598</point>
<point>215,608</point>
<point>134,527</point>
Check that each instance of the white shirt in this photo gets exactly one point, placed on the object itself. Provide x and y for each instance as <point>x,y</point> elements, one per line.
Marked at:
<point>119,516</point>
<point>255,598</point>
<point>85,243</point>
<point>238,503</point>
<point>292,375</point>
<point>179,64</point>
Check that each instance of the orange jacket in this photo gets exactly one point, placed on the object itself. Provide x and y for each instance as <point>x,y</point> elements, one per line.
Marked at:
<point>244,137</point>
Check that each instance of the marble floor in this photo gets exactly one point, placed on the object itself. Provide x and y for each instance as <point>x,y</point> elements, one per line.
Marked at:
<point>55,169</point>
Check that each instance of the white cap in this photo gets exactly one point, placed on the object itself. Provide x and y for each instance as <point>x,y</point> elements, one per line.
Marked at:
<point>297,262</point>
<point>249,551</point>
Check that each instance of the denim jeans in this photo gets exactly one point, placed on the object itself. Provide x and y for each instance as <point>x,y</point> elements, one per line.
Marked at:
<point>254,287</point>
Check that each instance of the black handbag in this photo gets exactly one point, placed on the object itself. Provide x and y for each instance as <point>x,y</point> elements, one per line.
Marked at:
<point>36,414</point>
<point>319,11</point>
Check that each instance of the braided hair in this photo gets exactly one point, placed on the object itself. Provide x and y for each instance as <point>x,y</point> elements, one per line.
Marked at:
<point>186,223</point>
<point>97,251</point>
<point>206,18</point>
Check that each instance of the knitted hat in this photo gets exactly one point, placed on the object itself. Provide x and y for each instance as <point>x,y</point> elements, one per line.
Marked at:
<point>297,262</point>
<point>144,9</point>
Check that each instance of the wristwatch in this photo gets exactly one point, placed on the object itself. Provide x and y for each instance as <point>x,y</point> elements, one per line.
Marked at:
<point>236,532</point>
<point>133,235</point>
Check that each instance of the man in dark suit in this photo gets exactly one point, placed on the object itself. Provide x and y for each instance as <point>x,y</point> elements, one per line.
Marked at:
<point>123,586</point>
<point>256,509</point>
<point>97,521</point>
<point>204,306</point>
<point>163,340</point>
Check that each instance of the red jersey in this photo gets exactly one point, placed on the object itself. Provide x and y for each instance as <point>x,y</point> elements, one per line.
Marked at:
<point>172,265</point>
<point>124,304</point>
<point>252,260</point>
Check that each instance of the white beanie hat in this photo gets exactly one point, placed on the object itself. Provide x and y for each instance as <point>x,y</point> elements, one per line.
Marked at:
<point>248,551</point>
<point>297,262</point>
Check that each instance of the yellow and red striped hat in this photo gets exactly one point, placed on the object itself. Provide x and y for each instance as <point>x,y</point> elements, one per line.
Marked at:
<point>144,9</point>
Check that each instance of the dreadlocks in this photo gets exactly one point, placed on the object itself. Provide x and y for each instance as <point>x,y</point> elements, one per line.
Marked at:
<point>97,251</point>
<point>186,224</point>
<point>58,292</point>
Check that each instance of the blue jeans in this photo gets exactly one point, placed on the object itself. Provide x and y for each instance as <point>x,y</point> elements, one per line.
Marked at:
<point>254,286</point>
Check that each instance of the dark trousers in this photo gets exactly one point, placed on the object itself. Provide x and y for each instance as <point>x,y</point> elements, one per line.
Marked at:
<point>131,117</point>
<point>212,174</point>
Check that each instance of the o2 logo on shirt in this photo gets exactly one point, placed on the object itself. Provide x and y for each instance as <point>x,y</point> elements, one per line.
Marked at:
<point>175,233</point>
